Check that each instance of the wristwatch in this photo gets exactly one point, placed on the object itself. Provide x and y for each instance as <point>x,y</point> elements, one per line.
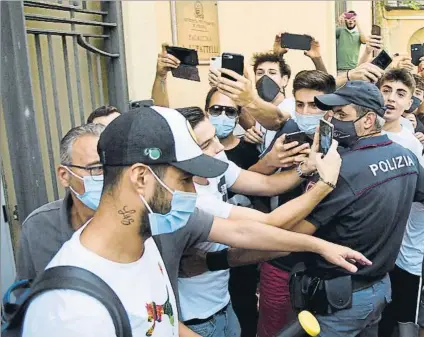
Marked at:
<point>300,172</point>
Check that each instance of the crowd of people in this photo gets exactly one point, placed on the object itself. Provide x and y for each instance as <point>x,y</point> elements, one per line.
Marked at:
<point>200,232</point>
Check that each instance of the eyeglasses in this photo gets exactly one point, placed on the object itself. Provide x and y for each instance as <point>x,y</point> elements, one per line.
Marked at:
<point>217,110</point>
<point>94,171</point>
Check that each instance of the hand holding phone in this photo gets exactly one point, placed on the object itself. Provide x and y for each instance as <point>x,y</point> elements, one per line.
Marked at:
<point>326,131</point>
<point>187,69</point>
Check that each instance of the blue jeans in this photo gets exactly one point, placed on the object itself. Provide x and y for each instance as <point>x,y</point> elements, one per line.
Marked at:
<point>362,319</point>
<point>225,324</point>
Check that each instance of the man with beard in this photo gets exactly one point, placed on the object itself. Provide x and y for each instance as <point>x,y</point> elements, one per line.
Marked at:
<point>349,39</point>
<point>149,157</point>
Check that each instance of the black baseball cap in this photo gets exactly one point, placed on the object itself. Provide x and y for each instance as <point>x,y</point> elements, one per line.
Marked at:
<point>361,93</point>
<point>156,135</point>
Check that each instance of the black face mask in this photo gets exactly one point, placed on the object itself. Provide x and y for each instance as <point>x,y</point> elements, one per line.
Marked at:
<point>345,132</point>
<point>267,88</point>
<point>416,102</point>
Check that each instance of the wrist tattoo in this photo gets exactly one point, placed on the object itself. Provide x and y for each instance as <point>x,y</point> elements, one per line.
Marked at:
<point>127,215</point>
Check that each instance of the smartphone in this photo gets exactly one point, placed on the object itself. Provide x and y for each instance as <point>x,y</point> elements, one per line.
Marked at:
<point>234,62</point>
<point>348,15</point>
<point>326,131</point>
<point>417,51</point>
<point>215,62</point>
<point>185,55</point>
<point>382,60</point>
<point>295,41</point>
<point>299,136</point>
<point>376,30</point>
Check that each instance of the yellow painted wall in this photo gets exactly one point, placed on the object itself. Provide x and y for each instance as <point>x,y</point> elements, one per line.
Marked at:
<point>244,26</point>
<point>401,28</point>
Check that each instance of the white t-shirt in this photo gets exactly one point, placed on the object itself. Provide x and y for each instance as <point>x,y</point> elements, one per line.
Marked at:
<point>142,286</point>
<point>408,141</point>
<point>203,295</point>
<point>407,124</point>
<point>411,252</point>
<point>287,105</point>
<point>410,256</point>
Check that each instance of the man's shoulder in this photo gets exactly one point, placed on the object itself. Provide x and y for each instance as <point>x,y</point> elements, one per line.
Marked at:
<point>289,126</point>
<point>44,215</point>
<point>57,308</point>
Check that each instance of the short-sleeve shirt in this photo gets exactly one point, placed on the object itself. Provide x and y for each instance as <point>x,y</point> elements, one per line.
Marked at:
<point>142,286</point>
<point>348,46</point>
<point>369,208</point>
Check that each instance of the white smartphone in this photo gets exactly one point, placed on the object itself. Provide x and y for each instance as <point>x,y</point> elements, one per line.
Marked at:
<point>215,63</point>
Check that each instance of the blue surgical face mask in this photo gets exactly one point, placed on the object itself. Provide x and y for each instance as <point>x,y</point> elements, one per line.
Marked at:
<point>93,187</point>
<point>308,123</point>
<point>182,207</point>
<point>224,125</point>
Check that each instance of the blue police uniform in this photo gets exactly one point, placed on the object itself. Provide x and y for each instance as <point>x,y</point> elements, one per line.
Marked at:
<point>367,212</point>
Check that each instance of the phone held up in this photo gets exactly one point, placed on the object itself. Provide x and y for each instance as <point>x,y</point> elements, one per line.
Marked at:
<point>326,131</point>
<point>417,51</point>
<point>189,62</point>
<point>215,63</point>
<point>376,30</point>
<point>234,62</point>
<point>382,60</point>
<point>295,41</point>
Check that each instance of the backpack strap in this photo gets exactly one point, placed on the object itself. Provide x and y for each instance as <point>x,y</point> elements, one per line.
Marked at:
<point>78,279</point>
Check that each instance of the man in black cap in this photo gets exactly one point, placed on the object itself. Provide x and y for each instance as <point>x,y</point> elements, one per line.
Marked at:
<point>367,211</point>
<point>149,157</point>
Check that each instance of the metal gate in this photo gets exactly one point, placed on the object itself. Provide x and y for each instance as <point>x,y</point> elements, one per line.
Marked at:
<point>60,60</point>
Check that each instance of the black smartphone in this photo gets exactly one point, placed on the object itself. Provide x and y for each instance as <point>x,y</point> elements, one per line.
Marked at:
<point>234,62</point>
<point>326,131</point>
<point>185,55</point>
<point>299,136</point>
<point>417,51</point>
<point>376,30</point>
<point>382,60</point>
<point>295,41</point>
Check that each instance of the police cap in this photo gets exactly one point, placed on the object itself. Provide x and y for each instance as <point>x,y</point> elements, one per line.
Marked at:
<point>361,93</point>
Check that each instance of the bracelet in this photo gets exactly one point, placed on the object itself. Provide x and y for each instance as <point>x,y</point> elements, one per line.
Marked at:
<point>327,183</point>
<point>217,260</point>
<point>347,75</point>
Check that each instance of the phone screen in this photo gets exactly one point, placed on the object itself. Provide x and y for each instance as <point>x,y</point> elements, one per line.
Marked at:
<point>185,55</point>
<point>417,51</point>
<point>295,41</point>
<point>382,60</point>
<point>325,136</point>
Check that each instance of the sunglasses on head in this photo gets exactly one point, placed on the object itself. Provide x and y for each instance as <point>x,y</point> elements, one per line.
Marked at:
<point>217,110</point>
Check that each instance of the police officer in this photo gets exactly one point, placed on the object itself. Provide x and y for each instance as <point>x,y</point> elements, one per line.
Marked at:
<point>367,211</point>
